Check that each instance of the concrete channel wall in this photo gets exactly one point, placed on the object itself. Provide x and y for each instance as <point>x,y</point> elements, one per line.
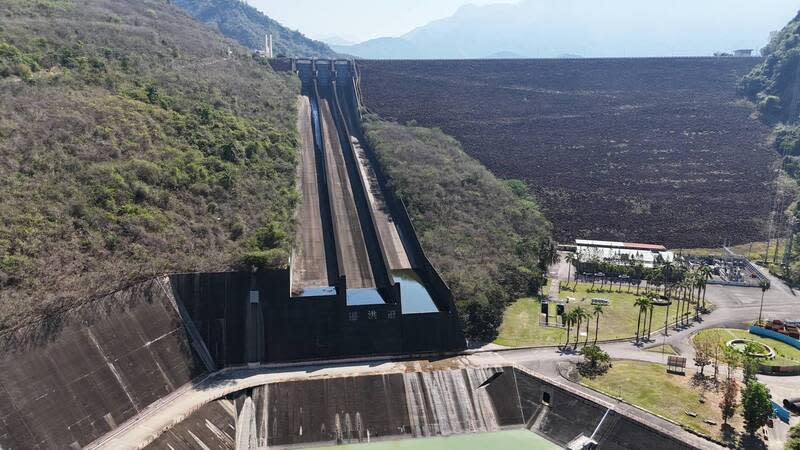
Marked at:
<point>441,293</point>
<point>417,404</point>
<point>70,380</point>
<point>302,328</point>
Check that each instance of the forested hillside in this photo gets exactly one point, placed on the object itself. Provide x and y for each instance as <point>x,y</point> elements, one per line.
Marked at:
<point>486,236</point>
<point>774,86</point>
<point>248,26</point>
<point>133,142</point>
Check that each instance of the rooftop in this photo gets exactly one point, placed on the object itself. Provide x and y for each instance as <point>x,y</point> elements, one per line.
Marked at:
<point>621,245</point>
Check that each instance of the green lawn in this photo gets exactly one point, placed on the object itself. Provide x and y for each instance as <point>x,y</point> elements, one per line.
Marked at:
<point>666,348</point>
<point>650,387</point>
<point>754,251</point>
<point>786,355</point>
<point>513,439</point>
<point>520,325</point>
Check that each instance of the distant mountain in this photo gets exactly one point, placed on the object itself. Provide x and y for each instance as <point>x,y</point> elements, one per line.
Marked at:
<point>337,40</point>
<point>382,48</point>
<point>504,55</point>
<point>248,26</point>
<point>590,28</point>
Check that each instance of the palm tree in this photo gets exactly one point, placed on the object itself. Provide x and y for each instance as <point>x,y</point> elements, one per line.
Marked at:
<point>666,319</point>
<point>650,306</point>
<point>682,300</point>
<point>567,319</point>
<point>598,311</point>
<point>667,270</point>
<point>586,341</point>
<point>764,285</point>
<point>705,275</point>
<point>677,310</point>
<point>571,259</point>
<point>640,303</point>
<point>580,314</point>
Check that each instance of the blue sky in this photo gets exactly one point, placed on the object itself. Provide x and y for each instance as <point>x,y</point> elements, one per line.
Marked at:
<point>374,18</point>
<point>359,20</point>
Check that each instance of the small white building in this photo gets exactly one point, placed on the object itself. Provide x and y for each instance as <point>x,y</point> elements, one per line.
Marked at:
<point>649,255</point>
<point>743,52</point>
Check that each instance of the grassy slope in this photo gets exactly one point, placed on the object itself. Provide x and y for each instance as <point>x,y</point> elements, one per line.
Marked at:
<point>521,323</point>
<point>248,26</point>
<point>131,144</point>
<point>648,386</point>
<point>481,235</point>
<point>786,354</point>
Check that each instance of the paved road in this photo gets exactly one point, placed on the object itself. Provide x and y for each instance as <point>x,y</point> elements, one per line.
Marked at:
<point>309,268</point>
<point>355,259</point>
<point>734,306</point>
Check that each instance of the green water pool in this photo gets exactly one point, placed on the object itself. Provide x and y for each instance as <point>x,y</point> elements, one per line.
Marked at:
<point>513,439</point>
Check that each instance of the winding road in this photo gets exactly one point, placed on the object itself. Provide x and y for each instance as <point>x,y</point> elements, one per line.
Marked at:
<point>734,306</point>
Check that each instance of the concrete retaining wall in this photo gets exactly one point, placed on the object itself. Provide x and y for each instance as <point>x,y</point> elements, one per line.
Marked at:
<point>303,328</point>
<point>65,382</point>
<point>211,427</point>
<point>429,403</point>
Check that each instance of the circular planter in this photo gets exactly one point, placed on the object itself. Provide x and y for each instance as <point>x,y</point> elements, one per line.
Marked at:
<point>740,344</point>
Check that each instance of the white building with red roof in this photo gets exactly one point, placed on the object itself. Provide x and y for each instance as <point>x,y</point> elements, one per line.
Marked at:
<point>649,255</point>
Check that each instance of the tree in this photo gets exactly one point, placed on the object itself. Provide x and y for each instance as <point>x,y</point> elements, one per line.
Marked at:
<point>702,351</point>
<point>705,275</point>
<point>650,306</point>
<point>571,259</point>
<point>580,315</point>
<point>568,319</point>
<point>749,368</point>
<point>598,311</point>
<point>733,359</point>
<point>588,322</point>
<point>595,360</point>
<point>730,394</point>
<point>794,439</point>
<point>481,321</point>
<point>764,285</point>
<point>756,406</point>
<point>641,303</point>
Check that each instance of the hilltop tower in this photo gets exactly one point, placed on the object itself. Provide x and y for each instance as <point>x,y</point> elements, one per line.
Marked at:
<point>268,46</point>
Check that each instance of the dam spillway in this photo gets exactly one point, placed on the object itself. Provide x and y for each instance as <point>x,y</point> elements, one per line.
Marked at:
<point>412,403</point>
<point>367,245</point>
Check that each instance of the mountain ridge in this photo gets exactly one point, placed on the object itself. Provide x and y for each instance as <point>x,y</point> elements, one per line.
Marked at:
<point>550,28</point>
<point>249,26</point>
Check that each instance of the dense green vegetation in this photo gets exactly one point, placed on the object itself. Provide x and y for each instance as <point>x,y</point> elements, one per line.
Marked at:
<point>248,26</point>
<point>133,142</point>
<point>486,236</point>
<point>774,86</point>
